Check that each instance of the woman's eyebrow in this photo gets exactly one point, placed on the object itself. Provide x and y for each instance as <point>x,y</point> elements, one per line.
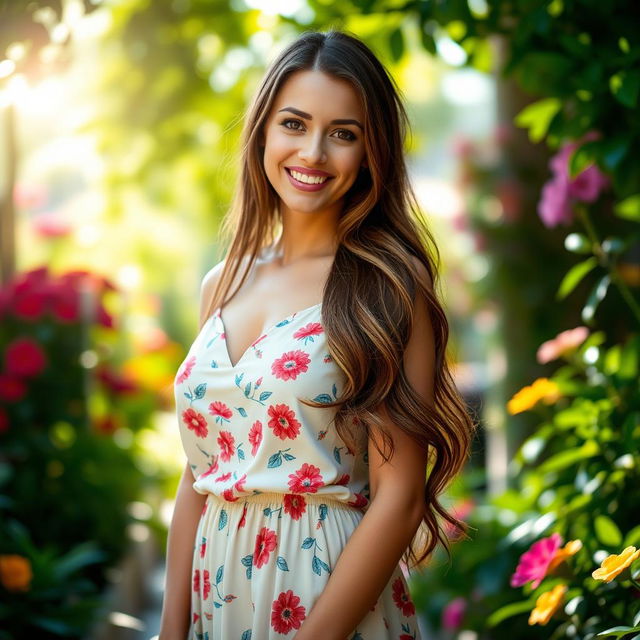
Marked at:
<point>308,116</point>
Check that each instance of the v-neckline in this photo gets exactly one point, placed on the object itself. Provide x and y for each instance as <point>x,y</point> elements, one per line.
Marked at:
<point>218,315</point>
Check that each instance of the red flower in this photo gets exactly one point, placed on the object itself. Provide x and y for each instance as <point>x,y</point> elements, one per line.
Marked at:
<point>290,365</point>
<point>11,389</point>
<point>255,436</point>
<point>220,411</point>
<point>266,542</point>
<point>287,613</point>
<point>4,421</point>
<point>229,493</point>
<point>196,422</point>
<point>359,501</point>
<point>226,442</point>
<point>306,479</point>
<point>294,505</point>
<point>402,599</point>
<point>243,519</point>
<point>224,477</point>
<point>213,467</point>
<point>185,371</point>
<point>343,479</point>
<point>25,358</point>
<point>283,421</point>
<point>206,585</point>
<point>203,547</point>
<point>307,332</point>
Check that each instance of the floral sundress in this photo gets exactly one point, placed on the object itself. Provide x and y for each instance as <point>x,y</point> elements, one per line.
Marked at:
<point>284,492</point>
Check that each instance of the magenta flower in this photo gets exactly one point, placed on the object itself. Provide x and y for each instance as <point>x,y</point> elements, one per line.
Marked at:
<point>453,613</point>
<point>559,193</point>
<point>534,563</point>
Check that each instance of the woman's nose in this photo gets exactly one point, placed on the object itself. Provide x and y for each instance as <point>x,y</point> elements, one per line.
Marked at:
<point>312,151</point>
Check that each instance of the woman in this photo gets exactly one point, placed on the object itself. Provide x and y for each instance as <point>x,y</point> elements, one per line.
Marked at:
<point>317,392</point>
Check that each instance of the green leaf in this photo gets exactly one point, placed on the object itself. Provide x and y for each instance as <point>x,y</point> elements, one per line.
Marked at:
<point>625,86</point>
<point>632,539</point>
<point>537,117</point>
<point>596,296</point>
<point>569,457</point>
<point>79,557</point>
<point>617,632</point>
<point>574,276</point>
<point>629,208</point>
<point>607,531</point>
<point>508,611</point>
<point>396,44</point>
<point>583,157</point>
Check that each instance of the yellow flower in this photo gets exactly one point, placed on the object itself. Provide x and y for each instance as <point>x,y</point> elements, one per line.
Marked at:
<point>15,572</point>
<point>613,565</point>
<point>527,397</point>
<point>547,604</point>
<point>571,548</point>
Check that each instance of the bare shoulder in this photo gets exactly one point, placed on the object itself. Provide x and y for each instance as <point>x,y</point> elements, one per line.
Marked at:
<point>422,272</point>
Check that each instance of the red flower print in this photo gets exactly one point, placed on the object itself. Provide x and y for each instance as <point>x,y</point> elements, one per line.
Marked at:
<point>266,542</point>
<point>196,422</point>
<point>196,580</point>
<point>283,421</point>
<point>359,501</point>
<point>213,467</point>
<point>307,332</point>
<point>343,479</point>
<point>239,485</point>
<point>220,410</point>
<point>401,598</point>
<point>185,372</point>
<point>290,365</point>
<point>224,477</point>
<point>203,547</point>
<point>226,442</point>
<point>294,505</point>
<point>255,436</point>
<point>243,519</point>
<point>287,613</point>
<point>206,585</point>
<point>228,494</point>
<point>306,479</point>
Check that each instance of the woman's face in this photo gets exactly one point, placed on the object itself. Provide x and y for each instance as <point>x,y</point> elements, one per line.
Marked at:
<point>314,128</point>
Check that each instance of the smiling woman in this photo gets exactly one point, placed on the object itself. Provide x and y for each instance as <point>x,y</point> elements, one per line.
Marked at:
<point>317,391</point>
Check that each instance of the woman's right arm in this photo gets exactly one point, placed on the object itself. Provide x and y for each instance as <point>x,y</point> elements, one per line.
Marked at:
<point>176,606</point>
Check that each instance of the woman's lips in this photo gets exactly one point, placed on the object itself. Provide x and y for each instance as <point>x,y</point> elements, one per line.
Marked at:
<point>303,186</point>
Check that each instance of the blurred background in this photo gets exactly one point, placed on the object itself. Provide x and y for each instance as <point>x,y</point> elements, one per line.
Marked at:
<point>119,128</point>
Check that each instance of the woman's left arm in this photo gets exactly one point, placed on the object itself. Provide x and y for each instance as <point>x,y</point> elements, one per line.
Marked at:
<point>374,549</point>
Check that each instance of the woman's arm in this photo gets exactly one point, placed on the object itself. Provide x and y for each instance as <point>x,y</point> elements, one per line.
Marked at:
<point>174,623</point>
<point>176,606</point>
<point>374,549</point>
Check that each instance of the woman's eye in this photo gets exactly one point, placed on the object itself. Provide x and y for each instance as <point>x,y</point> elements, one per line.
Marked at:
<point>348,135</point>
<point>284,123</point>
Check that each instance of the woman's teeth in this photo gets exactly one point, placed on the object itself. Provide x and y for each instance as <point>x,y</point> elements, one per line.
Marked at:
<point>301,177</point>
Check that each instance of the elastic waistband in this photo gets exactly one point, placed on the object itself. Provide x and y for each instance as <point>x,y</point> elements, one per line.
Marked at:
<point>270,497</point>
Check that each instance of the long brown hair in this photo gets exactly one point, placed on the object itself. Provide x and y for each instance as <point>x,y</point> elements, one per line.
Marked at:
<point>369,296</point>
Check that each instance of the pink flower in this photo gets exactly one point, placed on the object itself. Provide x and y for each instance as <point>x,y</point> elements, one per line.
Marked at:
<point>534,563</point>
<point>220,410</point>
<point>558,194</point>
<point>290,365</point>
<point>51,224</point>
<point>24,358</point>
<point>185,371</point>
<point>402,599</point>
<point>227,448</point>
<point>453,613</point>
<point>255,436</point>
<point>562,344</point>
<point>307,479</point>
<point>307,332</point>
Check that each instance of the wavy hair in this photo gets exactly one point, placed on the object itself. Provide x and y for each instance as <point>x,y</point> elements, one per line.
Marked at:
<point>369,296</point>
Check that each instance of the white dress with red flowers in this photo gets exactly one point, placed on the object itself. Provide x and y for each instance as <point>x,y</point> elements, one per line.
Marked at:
<point>284,492</point>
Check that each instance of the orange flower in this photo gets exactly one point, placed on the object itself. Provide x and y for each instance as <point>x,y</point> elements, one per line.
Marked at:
<point>571,548</point>
<point>547,604</point>
<point>528,397</point>
<point>15,572</point>
<point>614,565</point>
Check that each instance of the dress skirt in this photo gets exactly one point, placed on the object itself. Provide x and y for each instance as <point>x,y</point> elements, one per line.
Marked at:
<point>260,563</point>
